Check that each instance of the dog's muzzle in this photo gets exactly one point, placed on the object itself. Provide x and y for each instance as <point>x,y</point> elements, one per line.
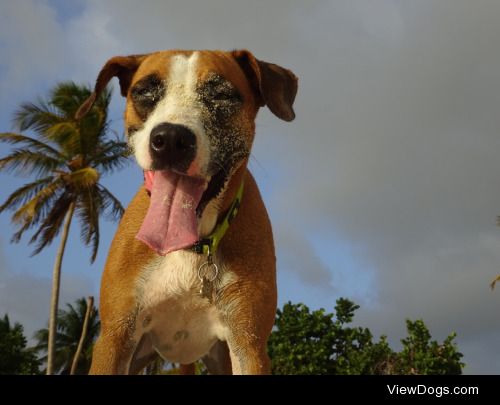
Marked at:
<point>172,146</point>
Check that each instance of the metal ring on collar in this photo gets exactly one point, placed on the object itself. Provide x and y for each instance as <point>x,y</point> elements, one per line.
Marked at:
<point>204,270</point>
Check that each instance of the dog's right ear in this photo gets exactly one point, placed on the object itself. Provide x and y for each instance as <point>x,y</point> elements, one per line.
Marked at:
<point>122,67</point>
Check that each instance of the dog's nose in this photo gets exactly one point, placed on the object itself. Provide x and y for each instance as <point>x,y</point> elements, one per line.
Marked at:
<point>172,146</point>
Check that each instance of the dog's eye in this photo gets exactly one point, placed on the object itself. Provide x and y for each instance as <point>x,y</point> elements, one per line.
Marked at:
<point>149,93</point>
<point>149,88</point>
<point>216,89</point>
<point>225,95</point>
<point>146,93</point>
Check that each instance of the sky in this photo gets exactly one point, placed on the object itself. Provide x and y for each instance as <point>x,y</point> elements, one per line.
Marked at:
<point>383,190</point>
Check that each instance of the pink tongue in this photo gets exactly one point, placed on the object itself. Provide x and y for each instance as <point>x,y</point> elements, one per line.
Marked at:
<point>170,223</point>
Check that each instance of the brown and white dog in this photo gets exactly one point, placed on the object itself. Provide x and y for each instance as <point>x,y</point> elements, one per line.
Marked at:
<point>190,121</point>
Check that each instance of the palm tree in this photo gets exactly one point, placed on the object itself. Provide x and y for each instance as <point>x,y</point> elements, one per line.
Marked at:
<point>83,335</point>
<point>69,329</point>
<point>67,158</point>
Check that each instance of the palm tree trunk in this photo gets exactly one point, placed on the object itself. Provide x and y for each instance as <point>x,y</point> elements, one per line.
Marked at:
<point>56,282</point>
<point>90,305</point>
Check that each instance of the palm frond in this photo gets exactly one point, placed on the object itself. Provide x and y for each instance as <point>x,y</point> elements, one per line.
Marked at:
<point>89,208</point>
<point>32,209</point>
<point>25,193</point>
<point>111,204</point>
<point>68,96</point>
<point>52,223</point>
<point>40,212</point>
<point>65,134</point>
<point>26,162</point>
<point>37,116</point>
<point>53,120</point>
<point>109,164</point>
<point>95,241</point>
<point>109,149</point>
<point>30,143</point>
<point>93,129</point>
<point>19,233</point>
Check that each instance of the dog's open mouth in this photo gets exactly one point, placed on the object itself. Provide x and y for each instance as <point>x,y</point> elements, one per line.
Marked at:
<point>214,187</point>
<point>177,203</point>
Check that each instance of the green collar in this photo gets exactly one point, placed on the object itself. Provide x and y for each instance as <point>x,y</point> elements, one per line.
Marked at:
<point>208,246</point>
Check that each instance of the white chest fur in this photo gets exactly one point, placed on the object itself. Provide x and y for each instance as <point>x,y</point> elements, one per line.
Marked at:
<point>182,325</point>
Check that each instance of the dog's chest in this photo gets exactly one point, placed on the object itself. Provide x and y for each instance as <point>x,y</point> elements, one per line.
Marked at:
<point>181,324</point>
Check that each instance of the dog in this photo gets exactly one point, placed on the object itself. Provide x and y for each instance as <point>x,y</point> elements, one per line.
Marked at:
<point>191,270</point>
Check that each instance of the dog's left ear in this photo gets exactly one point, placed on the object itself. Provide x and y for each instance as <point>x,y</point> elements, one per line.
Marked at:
<point>122,67</point>
<point>275,85</point>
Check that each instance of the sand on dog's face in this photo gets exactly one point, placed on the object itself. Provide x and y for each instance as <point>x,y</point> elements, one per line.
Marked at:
<point>193,89</point>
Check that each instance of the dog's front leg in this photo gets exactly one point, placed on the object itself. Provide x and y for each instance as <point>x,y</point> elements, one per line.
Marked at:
<point>113,351</point>
<point>248,356</point>
<point>249,311</point>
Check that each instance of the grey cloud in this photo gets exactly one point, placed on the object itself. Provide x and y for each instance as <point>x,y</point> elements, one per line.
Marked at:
<point>25,296</point>
<point>32,46</point>
<point>395,145</point>
<point>448,286</point>
<point>300,258</point>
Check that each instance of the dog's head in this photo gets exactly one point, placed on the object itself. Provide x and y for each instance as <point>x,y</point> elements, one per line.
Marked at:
<point>193,112</point>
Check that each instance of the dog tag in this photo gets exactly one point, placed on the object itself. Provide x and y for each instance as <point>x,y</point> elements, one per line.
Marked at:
<point>207,273</point>
<point>207,289</point>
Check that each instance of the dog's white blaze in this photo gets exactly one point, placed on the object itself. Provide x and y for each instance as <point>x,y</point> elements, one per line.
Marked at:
<point>181,105</point>
<point>168,295</point>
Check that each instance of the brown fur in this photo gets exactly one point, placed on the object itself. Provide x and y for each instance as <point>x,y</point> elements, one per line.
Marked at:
<point>247,305</point>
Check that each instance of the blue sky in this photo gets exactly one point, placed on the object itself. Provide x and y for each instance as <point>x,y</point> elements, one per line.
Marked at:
<point>383,190</point>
